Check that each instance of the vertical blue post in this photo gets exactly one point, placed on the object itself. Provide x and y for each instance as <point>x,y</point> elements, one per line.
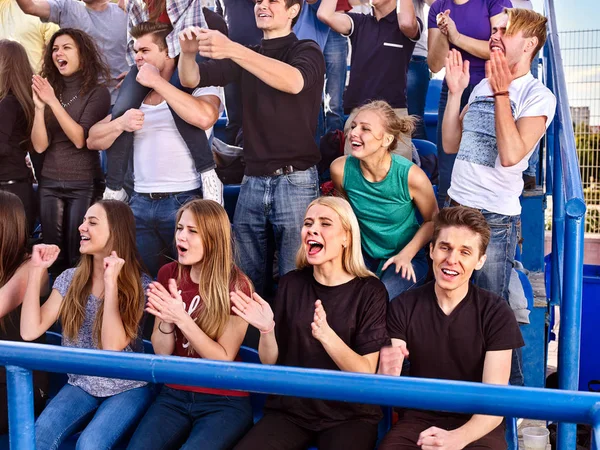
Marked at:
<point>21,431</point>
<point>558,223</point>
<point>570,319</point>
<point>596,436</point>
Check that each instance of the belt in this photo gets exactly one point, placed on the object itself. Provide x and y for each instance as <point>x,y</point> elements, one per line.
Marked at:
<point>9,182</point>
<point>285,170</point>
<point>158,195</point>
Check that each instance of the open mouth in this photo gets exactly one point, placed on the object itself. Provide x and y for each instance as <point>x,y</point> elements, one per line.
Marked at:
<point>450,273</point>
<point>83,239</point>
<point>355,144</point>
<point>182,250</point>
<point>263,16</point>
<point>314,247</point>
<point>61,63</point>
<point>496,48</point>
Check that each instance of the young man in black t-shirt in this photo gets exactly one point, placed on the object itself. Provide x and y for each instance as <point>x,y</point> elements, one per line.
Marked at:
<point>282,83</point>
<point>452,330</point>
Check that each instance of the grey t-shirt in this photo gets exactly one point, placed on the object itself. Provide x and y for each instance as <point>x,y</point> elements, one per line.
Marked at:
<point>108,28</point>
<point>96,386</point>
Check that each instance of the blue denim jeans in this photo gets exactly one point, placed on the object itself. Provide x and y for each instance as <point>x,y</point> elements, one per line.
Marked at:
<point>155,226</point>
<point>191,420</point>
<point>336,65</point>
<point>277,201</point>
<point>394,282</point>
<point>107,418</point>
<point>445,161</point>
<point>416,92</point>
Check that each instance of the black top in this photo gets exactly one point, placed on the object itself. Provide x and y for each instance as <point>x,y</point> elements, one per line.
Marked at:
<point>63,160</point>
<point>279,128</point>
<point>355,311</point>
<point>452,347</point>
<point>215,21</point>
<point>14,140</point>
<point>241,21</point>
<point>380,57</point>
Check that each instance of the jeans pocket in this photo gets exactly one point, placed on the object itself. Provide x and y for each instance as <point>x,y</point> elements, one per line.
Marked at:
<point>182,199</point>
<point>307,179</point>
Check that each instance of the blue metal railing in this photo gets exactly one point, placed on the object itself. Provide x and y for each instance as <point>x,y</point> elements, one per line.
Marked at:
<point>451,396</point>
<point>568,226</point>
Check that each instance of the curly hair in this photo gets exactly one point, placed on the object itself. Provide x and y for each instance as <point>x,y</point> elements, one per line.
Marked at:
<point>93,68</point>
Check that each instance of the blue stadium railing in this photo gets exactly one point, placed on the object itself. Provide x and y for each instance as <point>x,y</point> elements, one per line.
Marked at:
<point>568,226</point>
<point>565,406</point>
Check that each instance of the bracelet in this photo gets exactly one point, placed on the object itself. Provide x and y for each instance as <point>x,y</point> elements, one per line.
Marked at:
<point>501,94</point>
<point>269,330</point>
<point>165,332</point>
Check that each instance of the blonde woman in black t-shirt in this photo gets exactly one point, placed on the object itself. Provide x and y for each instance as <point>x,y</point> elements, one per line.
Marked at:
<point>329,314</point>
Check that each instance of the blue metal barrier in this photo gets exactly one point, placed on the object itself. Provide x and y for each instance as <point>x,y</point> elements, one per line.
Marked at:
<point>452,396</point>
<point>568,229</point>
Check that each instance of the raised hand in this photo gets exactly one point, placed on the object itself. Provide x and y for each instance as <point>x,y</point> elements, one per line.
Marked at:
<point>391,359</point>
<point>165,304</point>
<point>213,44</point>
<point>148,75</point>
<point>498,73</point>
<point>319,326</point>
<point>132,120</point>
<point>403,263</point>
<point>188,39</point>
<point>448,27</point>
<point>253,310</point>
<point>43,256</point>
<point>42,88</point>
<point>112,267</point>
<point>457,72</point>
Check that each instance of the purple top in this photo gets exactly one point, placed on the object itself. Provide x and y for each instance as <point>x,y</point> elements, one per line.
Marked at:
<point>472,19</point>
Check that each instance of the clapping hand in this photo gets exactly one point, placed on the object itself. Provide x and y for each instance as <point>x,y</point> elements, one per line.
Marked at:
<point>457,72</point>
<point>253,310</point>
<point>44,91</point>
<point>498,73</point>
<point>167,305</point>
<point>319,326</point>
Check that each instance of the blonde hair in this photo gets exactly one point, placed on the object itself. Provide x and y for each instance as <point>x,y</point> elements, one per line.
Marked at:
<point>531,23</point>
<point>352,258</point>
<point>217,268</point>
<point>397,126</point>
<point>129,283</point>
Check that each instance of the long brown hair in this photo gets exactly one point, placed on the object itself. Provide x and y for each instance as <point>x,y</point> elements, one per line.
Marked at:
<point>217,268</point>
<point>129,283</point>
<point>92,66</point>
<point>13,236</point>
<point>15,77</point>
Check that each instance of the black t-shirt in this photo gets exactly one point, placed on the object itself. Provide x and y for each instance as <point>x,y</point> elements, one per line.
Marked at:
<point>14,140</point>
<point>279,128</point>
<point>355,311</point>
<point>452,347</point>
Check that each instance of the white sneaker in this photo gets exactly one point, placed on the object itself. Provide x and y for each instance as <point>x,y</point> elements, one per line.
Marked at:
<point>120,195</point>
<point>212,187</point>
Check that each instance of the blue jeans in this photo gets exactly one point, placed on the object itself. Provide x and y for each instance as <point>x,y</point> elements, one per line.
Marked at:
<point>107,418</point>
<point>394,282</point>
<point>191,420</point>
<point>494,276</point>
<point>155,226</point>
<point>277,201</point>
<point>336,65</point>
<point>416,92</point>
<point>445,161</point>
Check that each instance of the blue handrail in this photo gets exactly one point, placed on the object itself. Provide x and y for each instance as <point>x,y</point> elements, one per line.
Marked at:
<point>568,228</point>
<point>452,396</point>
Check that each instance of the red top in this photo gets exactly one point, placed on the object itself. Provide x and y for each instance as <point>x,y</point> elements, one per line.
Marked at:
<point>193,304</point>
<point>163,18</point>
<point>343,5</point>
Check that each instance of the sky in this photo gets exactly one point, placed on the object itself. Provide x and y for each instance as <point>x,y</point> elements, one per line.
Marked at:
<point>570,17</point>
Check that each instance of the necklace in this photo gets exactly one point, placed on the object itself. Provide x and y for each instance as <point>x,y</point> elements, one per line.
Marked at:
<point>65,105</point>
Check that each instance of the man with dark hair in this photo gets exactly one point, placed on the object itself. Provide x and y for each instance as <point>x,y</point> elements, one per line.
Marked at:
<point>170,134</point>
<point>453,330</point>
<point>282,82</point>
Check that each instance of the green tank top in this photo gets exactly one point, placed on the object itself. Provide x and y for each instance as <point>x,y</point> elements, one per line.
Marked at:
<point>385,211</point>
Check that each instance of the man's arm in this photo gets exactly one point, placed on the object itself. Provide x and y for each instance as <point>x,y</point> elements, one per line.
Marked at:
<point>337,21</point>
<point>201,112</point>
<point>437,49</point>
<point>40,8</point>
<point>102,135</point>
<point>496,370</point>
<point>457,79</point>
<point>407,20</point>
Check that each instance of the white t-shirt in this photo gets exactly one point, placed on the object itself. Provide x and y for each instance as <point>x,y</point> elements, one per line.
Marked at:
<point>422,12</point>
<point>478,178</point>
<point>525,4</point>
<point>162,161</point>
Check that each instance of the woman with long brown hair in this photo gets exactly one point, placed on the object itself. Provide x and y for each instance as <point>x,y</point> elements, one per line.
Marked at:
<point>193,319</point>
<point>100,305</point>
<point>16,119</point>
<point>69,99</point>
<point>14,269</point>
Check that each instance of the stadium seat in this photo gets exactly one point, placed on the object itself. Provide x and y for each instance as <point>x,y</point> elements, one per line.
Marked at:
<point>431,109</point>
